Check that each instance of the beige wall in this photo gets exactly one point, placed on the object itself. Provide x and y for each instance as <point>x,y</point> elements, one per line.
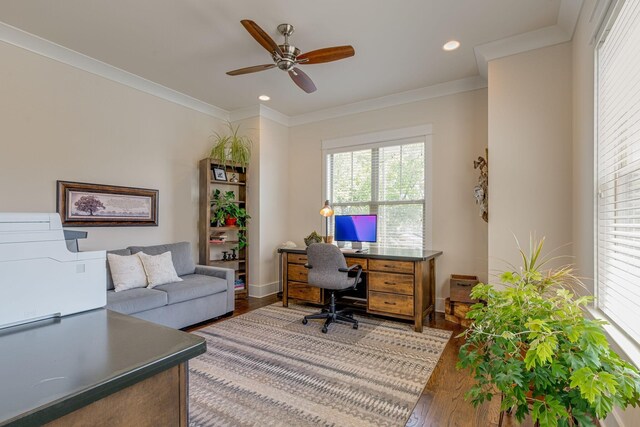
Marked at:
<point>61,123</point>
<point>530,152</point>
<point>459,136</point>
<point>274,200</point>
<point>268,199</point>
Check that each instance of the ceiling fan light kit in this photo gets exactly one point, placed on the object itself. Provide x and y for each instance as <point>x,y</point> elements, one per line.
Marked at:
<point>287,56</point>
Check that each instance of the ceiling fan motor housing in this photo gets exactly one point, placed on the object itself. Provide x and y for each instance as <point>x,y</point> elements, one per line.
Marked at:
<point>288,60</point>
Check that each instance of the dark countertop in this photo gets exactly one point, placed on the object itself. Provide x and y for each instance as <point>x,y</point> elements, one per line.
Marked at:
<point>53,367</point>
<point>380,253</point>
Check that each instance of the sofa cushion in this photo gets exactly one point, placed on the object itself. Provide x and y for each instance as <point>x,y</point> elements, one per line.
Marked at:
<point>135,300</point>
<point>122,252</point>
<point>193,286</point>
<point>159,269</point>
<point>127,272</point>
<point>180,254</point>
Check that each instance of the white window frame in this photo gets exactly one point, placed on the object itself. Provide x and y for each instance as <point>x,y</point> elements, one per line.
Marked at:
<point>621,341</point>
<point>384,139</point>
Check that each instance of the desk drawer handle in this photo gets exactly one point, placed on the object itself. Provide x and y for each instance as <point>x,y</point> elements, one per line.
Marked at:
<point>390,283</point>
<point>390,303</point>
<point>388,266</point>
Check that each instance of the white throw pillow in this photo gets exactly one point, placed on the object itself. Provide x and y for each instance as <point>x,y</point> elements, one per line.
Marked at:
<point>159,269</point>
<point>127,272</point>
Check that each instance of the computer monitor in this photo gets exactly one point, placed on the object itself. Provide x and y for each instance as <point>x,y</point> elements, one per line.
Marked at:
<point>356,229</point>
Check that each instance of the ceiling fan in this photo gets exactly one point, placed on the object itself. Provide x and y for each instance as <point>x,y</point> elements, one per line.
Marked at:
<point>286,56</point>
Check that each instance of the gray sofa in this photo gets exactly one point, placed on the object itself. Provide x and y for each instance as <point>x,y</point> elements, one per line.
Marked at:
<point>204,293</point>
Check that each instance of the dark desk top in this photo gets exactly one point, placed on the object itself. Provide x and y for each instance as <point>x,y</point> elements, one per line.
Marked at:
<point>381,253</point>
<point>53,367</point>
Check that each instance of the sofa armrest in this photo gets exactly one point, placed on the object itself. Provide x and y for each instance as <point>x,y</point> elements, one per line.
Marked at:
<point>227,274</point>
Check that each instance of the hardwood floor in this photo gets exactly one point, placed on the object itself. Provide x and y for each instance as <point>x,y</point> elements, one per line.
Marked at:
<point>442,402</point>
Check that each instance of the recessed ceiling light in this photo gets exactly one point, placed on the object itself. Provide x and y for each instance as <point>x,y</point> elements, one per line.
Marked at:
<point>264,97</point>
<point>451,45</point>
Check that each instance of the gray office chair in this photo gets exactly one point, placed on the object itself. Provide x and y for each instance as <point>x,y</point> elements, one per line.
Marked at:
<point>328,270</point>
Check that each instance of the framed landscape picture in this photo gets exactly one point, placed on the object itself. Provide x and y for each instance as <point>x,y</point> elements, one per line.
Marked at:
<point>87,205</point>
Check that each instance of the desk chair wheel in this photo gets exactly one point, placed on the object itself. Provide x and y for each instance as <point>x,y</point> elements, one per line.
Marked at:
<point>355,326</point>
<point>304,321</point>
<point>324,329</point>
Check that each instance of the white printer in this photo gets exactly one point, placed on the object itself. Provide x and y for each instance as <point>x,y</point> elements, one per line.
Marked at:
<point>39,276</point>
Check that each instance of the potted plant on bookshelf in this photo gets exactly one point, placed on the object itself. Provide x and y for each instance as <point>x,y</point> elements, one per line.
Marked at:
<point>227,212</point>
<point>232,148</point>
<point>533,345</point>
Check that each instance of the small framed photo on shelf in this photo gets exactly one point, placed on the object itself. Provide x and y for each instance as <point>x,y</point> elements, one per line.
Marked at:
<point>219,174</point>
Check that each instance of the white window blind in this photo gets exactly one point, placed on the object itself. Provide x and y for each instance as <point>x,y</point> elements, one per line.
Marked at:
<point>618,170</point>
<point>384,179</point>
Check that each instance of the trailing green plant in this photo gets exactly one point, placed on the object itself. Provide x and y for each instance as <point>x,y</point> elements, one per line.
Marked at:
<point>531,343</point>
<point>233,148</point>
<point>225,206</point>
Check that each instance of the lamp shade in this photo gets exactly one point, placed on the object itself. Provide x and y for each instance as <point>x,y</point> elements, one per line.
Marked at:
<point>326,211</point>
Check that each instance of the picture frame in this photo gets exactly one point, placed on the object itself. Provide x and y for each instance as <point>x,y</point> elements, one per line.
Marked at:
<point>82,204</point>
<point>219,174</point>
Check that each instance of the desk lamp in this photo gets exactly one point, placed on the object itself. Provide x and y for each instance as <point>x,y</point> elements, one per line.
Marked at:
<point>326,212</point>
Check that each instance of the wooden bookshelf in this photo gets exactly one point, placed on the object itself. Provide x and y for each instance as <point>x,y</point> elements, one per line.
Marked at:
<point>211,252</point>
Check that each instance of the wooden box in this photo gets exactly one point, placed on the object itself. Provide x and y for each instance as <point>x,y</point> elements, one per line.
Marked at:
<point>460,288</point>
<point>456,312</point>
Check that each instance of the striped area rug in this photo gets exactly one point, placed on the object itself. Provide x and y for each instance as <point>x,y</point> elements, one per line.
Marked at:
<point>265,368</point>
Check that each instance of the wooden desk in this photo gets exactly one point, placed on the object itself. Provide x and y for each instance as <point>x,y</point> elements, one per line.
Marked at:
<point>97,368</point>
<point>400,283</point>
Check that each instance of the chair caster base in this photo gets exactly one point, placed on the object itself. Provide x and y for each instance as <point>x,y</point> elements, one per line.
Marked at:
<point>305,321</point>
<point>355,326</point>
<point>324,329</point>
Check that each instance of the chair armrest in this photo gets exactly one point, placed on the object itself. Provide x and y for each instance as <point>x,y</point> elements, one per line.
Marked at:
<point>227,274</point>
<point>355,267</point>
<point>350,269</point>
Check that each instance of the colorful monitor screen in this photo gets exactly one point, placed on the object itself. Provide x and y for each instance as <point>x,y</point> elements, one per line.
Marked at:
<point>356,228</point>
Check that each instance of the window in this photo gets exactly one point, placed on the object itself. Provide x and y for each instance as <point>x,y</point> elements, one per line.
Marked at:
<point>618,170</point>
<point>387,179</point>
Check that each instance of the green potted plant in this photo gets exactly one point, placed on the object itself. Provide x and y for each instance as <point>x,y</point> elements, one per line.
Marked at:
<point>531,344</point>
<point>227,212</point>
<point>233,148</point>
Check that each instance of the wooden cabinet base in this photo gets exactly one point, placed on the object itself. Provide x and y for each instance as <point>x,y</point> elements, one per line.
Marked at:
<point>160,400</point>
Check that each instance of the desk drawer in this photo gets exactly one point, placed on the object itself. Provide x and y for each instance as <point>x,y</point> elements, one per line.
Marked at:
<point>297,258</point>
<point>360,261</point>
<point>390,303</point>
<point>391,266</point>
<point>391,282</point>
<point>304,292</point>
<point>297,272</point>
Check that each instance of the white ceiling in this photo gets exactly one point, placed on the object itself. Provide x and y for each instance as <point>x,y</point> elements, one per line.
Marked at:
<point>188,45</point>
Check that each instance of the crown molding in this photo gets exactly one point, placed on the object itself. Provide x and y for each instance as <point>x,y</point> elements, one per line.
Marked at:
<point>275,115</point>
<point>244,113</point>
<point>429,92</point>
<point>46,48</point>
<point>562,32</point>
<point>259,110</point>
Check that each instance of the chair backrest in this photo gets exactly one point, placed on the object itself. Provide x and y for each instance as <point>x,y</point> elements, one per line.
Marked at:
<point>325,260</point>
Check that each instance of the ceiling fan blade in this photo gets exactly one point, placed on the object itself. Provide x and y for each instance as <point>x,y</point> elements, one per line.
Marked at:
<point>327,54</point>
<point>253,69</point>
<point>302,80</point>
<point>261,37</point>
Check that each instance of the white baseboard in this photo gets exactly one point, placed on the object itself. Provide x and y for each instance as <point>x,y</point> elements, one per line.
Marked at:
<point>261,291</point>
